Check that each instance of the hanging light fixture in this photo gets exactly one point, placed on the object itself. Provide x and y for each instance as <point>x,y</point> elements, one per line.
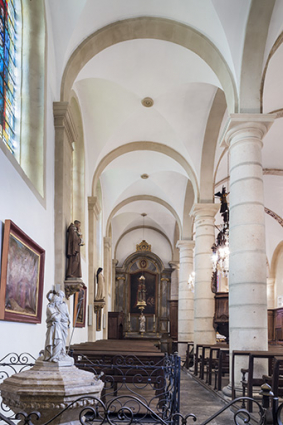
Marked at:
<point>220,249</point>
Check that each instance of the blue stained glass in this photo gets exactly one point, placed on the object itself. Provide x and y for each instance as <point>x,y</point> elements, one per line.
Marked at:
<point>7,71</point>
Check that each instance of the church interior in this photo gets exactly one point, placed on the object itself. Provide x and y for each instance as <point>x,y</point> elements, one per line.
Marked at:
<point>148,134</point>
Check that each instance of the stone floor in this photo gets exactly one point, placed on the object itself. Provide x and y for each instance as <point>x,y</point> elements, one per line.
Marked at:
<point>203,403</point>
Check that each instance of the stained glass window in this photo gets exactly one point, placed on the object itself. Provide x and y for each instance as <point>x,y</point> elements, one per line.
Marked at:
<point>8,66</point>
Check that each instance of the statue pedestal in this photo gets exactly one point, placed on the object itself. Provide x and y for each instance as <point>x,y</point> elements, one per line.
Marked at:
<point>98,306</point>
<point>73,285</point>
<point>50,387</point>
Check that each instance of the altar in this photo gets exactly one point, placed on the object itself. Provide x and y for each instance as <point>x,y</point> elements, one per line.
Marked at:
<point>143,291</point>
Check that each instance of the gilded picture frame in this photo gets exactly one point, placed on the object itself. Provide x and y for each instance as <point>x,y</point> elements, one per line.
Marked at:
<point>79,315</point>
<point>22,276</point>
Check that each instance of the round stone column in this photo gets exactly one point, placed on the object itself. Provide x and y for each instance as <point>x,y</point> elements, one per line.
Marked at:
<point>247,271</point>
<point>186,296</point>
<point>204,214</point>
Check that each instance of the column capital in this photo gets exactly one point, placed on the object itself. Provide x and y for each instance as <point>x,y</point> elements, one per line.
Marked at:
<point>175,265</point>
<point>204,210</point>
<point>185,244</point>
<point>63,119</point>
<point>258,124</point>
<point>93,205</point>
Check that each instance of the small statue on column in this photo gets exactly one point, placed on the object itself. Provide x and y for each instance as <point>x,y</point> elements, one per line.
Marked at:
<point>142,322</point>
<point>74,244</point>
<point>100,285</point>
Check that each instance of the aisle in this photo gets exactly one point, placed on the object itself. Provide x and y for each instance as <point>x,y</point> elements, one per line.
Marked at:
<point>201,402</point>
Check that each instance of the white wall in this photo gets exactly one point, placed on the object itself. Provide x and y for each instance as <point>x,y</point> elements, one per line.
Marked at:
<point>279,277</point>
<point>19,204</point>
<point>159,245</point>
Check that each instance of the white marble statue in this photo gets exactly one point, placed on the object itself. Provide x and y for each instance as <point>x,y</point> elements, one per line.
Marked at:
<point>58,322</point>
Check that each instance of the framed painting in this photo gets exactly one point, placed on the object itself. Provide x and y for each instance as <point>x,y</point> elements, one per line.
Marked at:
<point>79,308</point>
<point>150,292</point>
<point>22,275</point>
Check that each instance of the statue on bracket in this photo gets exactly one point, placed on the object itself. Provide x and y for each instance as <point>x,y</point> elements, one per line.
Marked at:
<point>100,285</point>
<point>74,243</point>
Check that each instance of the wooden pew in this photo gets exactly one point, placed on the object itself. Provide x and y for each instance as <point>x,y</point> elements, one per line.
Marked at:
<point>251,380</point>
<point>129,367</point>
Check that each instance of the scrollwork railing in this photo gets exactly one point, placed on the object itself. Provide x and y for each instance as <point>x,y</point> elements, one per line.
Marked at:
<point>9,365</point>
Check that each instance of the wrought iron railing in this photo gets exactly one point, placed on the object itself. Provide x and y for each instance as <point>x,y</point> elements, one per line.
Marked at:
<point>125,400</point>
<point>156,384</point>
<point>9,365</point>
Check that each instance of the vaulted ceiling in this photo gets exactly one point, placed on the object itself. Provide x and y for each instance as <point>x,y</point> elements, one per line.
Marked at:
<point>192,59</point>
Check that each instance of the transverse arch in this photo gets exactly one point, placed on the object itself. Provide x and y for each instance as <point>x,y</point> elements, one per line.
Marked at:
<point>142,198</point>
<point>151,28</point>
<point>145,146</point>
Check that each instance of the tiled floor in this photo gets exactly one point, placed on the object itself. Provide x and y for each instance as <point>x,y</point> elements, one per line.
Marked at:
<point>203,403</point>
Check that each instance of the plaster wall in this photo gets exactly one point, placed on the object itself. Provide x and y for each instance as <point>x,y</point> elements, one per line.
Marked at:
<point>279,278</point>
<point>159,245</point>
<point>21,204</point>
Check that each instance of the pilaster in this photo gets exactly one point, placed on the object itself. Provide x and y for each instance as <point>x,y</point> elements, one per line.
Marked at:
<point>93,214</point>
<point>65,135</point>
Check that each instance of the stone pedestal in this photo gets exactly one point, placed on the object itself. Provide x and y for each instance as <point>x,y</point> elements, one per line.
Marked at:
<point>49,388</point>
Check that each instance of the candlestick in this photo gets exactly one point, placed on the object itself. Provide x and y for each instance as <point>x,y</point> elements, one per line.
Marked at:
<point>153,318</point>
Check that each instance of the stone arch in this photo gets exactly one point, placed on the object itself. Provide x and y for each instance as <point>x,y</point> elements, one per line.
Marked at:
<point>187,219</point>
<point>158,29</point>
<point>141,146</point>
<point>273,50</point>
<point>275,256</point>
<point>142,198</point>
<point>253,54</point>
<point>150,255</point>
<point>209,145</point>
<point>142,227</point>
